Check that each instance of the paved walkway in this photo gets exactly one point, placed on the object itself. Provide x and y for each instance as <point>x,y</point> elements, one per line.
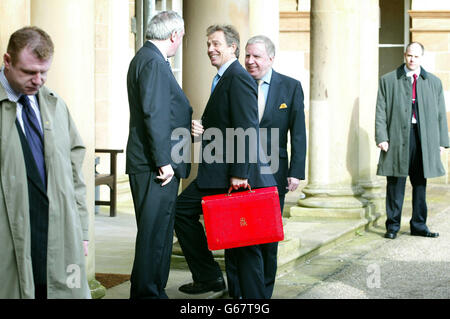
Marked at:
<point>367,266</point>
<point>372,267</point>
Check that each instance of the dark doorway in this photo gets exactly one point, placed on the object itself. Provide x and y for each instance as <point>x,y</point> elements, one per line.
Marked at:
<point>394,33</point>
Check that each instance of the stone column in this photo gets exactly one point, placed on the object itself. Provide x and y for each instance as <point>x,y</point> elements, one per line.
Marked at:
<point>368,86</point>
<point>333,146</point>
<point>112,57</point>
<point>70,23</point>
<point>14,14</point>
<point>264,19</point>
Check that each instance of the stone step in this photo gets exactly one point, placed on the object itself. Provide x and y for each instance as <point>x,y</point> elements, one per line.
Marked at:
<point>306,234</point>
<point>303,240</point>
<point>308,238</point>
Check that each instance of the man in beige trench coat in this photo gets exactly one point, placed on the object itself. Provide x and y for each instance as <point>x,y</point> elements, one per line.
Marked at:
<point>43,215</point>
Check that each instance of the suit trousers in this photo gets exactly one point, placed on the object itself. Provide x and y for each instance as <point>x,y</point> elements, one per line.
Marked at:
<point>269,254</point>
<point>246,262</point>
<point>154,206</point>
<point>395,190</point>
<point>191,234</point>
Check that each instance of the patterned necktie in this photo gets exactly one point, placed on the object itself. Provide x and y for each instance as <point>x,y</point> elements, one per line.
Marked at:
<point>214,83</point>
<point>261,100</point>
<point>414,95</point>
<point>34,135</point>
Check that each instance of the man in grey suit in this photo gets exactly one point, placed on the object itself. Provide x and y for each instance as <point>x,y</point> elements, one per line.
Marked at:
<point>158,106</point>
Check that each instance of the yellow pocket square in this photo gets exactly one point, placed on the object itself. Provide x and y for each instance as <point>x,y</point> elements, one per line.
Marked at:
<point>283,106</point>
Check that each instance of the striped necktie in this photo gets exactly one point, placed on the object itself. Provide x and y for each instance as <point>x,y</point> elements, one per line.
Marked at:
<point>34,135</point>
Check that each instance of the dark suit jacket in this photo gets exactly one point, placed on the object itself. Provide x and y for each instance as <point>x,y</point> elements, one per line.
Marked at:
<point>39,207</point>
<point>232,105</point>
<point>157,107</point>
<point>285,110</point>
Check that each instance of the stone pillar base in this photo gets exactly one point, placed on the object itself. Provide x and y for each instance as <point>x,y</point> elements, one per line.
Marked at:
<point>331,202</point>
<point>376,197</point>
<point>97,290</point>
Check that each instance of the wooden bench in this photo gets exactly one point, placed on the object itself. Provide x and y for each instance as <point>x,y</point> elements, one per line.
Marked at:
<point>109,179</point>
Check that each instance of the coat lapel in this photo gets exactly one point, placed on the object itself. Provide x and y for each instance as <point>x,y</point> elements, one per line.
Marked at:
<point>12,136</point>
<point>47,103</point>
<point>9,135</point>
<point>420,88</point>
<point>218,86</point>
<point>8,118</point>
<point>272,97</point>
<point>32,171</point>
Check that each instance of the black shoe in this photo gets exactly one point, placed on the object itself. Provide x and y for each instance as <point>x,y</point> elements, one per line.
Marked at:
<point>195,288</point>
<point>390,235</point>
<point>424,234</point>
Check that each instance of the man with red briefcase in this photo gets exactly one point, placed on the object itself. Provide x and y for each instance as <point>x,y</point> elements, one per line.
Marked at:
<point>280,107</point>
<point>232,105</point>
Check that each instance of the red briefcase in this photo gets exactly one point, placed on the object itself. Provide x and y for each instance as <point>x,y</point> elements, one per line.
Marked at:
<point>243,218</point>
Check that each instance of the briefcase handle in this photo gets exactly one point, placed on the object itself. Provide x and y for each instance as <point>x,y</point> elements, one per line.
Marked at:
<point>231,189</point>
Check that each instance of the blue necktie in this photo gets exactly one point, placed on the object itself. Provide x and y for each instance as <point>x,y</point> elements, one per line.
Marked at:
<point>214,83</point>
<point>34,135</point>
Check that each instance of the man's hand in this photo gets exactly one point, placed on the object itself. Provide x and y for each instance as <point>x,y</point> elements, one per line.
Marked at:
<point>292,183</point>
<point>165,174</point>
<point>384,146</point>
<point>237,183</point>
<point>85,247</point>
<point>196,128</point>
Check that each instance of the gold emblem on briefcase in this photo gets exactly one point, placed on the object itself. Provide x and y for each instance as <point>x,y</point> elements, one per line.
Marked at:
<point>243,222</point>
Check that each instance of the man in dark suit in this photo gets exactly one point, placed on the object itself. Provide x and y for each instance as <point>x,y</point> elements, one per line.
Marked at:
<point>158,106</point>
<point>281,110</point>
<point>232,105</point>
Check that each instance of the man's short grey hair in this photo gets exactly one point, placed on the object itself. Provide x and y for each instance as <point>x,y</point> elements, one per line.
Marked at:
<point>418,43</point>
<point>270,47</point>
<point>163,24</point>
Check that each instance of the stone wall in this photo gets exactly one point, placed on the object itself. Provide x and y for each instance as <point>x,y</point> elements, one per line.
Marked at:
<point>432,29</point>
